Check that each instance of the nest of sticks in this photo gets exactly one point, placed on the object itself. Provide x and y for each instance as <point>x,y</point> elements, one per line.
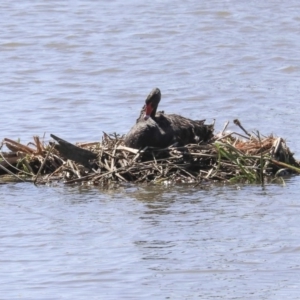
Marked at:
<point>226,158</point>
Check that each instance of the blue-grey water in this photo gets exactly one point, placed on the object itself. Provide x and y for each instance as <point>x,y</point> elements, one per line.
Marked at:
<point>78,68</point>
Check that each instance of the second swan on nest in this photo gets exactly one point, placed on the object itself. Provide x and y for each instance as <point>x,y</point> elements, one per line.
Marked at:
<point>156,129</point>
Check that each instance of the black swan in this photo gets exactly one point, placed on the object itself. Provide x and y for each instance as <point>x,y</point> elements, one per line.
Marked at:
<point>157,129</point>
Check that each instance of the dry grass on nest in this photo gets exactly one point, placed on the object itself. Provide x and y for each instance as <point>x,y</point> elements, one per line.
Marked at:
<point>226,158</point>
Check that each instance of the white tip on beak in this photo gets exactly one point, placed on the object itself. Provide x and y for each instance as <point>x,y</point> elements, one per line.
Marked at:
<point>146,117</point>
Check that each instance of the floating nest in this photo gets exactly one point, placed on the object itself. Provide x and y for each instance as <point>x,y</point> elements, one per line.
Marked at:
<point>226,158</point>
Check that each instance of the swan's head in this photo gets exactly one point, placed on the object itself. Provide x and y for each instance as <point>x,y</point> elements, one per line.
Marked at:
<point>152,103</point>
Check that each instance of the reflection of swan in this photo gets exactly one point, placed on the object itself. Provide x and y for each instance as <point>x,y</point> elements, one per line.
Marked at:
<point>162,130</point>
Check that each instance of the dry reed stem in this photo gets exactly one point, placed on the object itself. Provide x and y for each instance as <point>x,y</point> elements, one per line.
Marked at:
<point>22,155</point>
<point>15,146</point>
<point>43,163</point>
<point>11,173</point>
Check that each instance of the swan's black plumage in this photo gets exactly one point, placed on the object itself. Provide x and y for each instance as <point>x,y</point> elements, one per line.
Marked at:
<point>157,129</point>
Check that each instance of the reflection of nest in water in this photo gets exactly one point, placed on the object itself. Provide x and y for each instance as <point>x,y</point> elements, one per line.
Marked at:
<point>226,158</point>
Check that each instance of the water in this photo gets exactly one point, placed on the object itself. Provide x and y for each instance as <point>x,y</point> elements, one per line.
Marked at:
<point>78,68</point>
<point>180,243</point>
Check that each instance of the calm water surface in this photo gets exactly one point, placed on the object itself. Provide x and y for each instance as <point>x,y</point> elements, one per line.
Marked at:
<point>77,68</point>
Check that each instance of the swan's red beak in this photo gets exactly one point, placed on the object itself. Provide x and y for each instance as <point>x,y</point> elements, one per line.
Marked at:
<point>148,111</point>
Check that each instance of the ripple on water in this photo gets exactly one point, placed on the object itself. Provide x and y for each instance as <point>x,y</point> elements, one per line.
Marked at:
<point>78,69</point>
